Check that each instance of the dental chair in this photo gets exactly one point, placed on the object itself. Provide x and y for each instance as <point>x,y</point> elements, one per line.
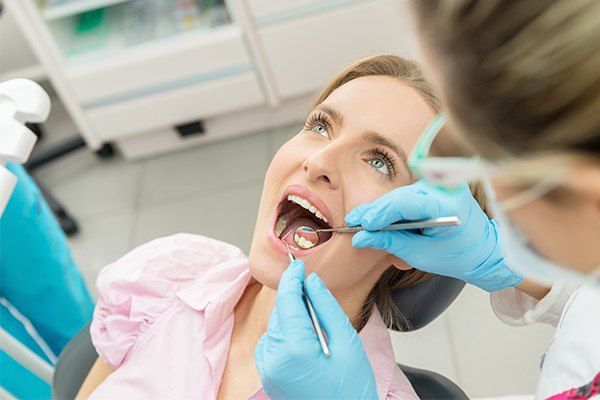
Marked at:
<point>420,304</point>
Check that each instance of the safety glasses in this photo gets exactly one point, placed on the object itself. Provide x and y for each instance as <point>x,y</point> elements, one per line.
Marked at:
<point>448,173</point>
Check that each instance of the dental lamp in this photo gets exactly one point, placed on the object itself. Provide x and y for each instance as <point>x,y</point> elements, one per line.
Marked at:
<point>21,101</point>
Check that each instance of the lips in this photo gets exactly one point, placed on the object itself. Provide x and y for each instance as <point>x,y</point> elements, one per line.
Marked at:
<point>300,207</point>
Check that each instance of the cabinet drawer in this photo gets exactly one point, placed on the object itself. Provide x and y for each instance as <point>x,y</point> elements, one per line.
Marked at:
<point>304,52</point>
<point>175,107</point>
<point>154,67</point>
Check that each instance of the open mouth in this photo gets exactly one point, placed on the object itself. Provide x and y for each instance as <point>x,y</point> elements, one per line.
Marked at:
<point>294,212</point>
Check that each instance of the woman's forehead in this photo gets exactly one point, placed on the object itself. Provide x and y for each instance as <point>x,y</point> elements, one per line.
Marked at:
<point>380,104</point>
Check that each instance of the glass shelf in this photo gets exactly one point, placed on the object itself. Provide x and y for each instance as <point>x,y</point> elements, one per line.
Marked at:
<point>109,31</point>
<point>55,9</point>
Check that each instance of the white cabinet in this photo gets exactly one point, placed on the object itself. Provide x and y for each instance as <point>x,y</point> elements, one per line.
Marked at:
<point>176,106</point>
<point>304,52</point>
<point>245,64</point>
<point>159,66</point>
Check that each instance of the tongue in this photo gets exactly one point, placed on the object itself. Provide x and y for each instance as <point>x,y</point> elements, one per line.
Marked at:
<point>288,232</point>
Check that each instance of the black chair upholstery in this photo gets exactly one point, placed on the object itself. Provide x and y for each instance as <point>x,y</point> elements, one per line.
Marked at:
<point>431,385</point>
<point>73,365</point>
<point>420,304</point>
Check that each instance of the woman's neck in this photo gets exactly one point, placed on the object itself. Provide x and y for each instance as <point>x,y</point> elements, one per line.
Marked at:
<point>256,304</point>
<point>253,310</point>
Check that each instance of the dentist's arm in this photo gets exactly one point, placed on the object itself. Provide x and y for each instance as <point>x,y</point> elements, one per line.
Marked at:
<point>533,289</point>
<point>469,252</point>
<point>288,357</point>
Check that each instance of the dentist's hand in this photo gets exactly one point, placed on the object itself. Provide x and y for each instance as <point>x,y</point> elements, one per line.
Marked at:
<point>470,251</point>
<point>288,357</point>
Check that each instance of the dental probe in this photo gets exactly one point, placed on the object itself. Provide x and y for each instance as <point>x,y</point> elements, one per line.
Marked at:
<point>311,312</point>
<point>426,223</point>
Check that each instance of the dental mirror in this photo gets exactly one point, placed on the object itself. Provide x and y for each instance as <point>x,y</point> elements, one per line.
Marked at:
<point>306,237</point>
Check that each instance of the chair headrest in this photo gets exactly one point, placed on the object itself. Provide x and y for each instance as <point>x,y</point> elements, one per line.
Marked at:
<point>425,301</point>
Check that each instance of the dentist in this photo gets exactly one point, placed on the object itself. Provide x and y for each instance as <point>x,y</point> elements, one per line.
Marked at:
<point>520,83</point>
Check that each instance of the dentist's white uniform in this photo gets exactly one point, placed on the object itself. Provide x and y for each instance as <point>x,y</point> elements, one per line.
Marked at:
<point>576,315</point>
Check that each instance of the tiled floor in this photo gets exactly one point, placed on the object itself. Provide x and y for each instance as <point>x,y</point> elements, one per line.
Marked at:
<point>215,190</point>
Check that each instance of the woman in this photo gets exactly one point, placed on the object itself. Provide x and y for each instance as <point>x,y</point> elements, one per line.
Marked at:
<point>520,87</point>
<point>180,317</point>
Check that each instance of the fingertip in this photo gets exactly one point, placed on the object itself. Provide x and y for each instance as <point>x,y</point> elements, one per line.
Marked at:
<point>358,240</point>
<point>355,215</point>
<point>368,220</point>
<point>296,268</point>
<point>361,239</point>
<point>378,217</point>
<point>292,276</point>
<point>315,281</point>
<point>316,289</point>
<point>297,265</point>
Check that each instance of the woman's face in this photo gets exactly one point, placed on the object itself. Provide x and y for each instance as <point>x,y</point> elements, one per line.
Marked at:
<point>351,150</point>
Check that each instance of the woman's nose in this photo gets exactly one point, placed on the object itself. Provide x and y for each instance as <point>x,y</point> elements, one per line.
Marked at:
<point>321,168</point>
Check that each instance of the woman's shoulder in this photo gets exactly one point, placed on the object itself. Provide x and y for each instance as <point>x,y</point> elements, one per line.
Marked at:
<point>172,261</point>
<point>137,288</point>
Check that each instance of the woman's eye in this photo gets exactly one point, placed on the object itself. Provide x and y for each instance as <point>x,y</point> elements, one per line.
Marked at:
<point>321,130</point>
<point>380,165</point>
<point>319,124</point>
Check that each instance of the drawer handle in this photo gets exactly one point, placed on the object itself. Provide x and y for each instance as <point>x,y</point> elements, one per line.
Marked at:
<point>191,128</point>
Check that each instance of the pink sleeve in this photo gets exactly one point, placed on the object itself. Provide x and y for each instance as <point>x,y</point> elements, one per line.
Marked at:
<point>401,387</point>
<point>139,287</point>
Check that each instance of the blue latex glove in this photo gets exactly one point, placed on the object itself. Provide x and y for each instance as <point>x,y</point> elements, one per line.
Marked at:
<point>288,356</point>
<point>470,251</point>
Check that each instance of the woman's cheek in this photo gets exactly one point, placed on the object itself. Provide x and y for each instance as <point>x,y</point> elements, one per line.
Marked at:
<point>343,265</point>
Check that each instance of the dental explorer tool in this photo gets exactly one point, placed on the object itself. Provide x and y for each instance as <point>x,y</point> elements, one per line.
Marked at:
<point>311,310</point>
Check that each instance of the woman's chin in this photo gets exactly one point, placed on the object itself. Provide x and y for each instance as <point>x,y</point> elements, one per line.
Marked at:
<point>267,269</point>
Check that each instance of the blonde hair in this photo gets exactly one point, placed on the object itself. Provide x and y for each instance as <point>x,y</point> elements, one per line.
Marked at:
<point>393,278</point>
<point>519,78</point>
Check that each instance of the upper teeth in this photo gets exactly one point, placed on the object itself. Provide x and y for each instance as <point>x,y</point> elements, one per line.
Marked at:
<point>306,204</point>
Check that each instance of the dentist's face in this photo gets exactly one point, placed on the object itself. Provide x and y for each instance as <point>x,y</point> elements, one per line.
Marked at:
<point>351,150</point>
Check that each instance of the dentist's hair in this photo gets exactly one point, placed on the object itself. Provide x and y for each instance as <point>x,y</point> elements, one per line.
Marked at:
<point>408,72</point>
<point>518,78</point>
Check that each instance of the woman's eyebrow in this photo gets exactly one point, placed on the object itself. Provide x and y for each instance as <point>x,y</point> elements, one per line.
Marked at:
<point>379,139</point>
<point>335,115</point>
